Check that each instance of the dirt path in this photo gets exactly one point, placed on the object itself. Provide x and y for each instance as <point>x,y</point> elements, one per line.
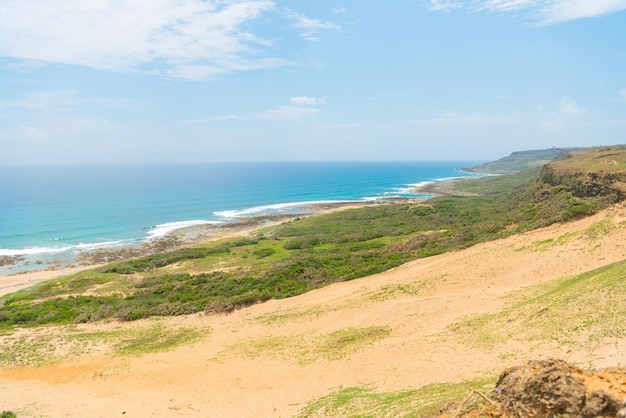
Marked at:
<point>389,330</point>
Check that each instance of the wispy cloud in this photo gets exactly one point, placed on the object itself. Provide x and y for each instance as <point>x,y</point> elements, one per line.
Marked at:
<point>191,39</point>
<point>473,119</point>
<point>303,100</point>
<point>621,95</point>
<point>63,101</point>
<point>25,133</point>
<point>286,113</point>
<point>57,101</point>
<point>568,107</point>
<point>346,125</point>
<point>567,111</point>
<point>564,114</point>
<point>298,109</point>
<point>541,11</point>
<point>218,118</point>
<point>310,27</point>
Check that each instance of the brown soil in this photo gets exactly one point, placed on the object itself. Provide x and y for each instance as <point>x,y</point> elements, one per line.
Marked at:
<point>271,359</point>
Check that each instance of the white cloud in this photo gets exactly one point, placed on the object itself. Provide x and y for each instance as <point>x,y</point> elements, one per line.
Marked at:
<point>25,132</point>
<point>567,111</point>
<point>475,119</point>
<point>338,10</point>
<point>290,112</point>
<point>542,11</point>
<point>310,27</point>
<point>193,39</point>
<point>219,118</point>
<point>444,5</point>
<point>568,107</point>
<point>303,100</point>
<point>346,125</point>
<point>621,95</point>
<point>562,11</point>
<point>286,113</point>
<point>58,101</point>
<point>63,101</point>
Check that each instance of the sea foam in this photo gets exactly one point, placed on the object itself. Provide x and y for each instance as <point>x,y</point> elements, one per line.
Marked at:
<point>279,208</point>
<point>32,251</point>
<point>159,231</point>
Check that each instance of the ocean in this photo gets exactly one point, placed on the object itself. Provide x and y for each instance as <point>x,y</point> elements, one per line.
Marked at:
<point>48,212</point>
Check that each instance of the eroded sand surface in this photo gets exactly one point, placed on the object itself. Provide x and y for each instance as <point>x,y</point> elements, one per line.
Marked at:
<point>271,359</point>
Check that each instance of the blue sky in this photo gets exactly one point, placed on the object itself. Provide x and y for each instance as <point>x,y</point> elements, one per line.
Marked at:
<point>105,81</point>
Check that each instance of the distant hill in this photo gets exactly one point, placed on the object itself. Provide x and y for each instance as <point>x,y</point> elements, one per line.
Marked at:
<point>520,161</point>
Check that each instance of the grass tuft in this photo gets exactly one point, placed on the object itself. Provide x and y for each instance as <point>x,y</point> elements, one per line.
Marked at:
<point>366,402</point>
<point>586,307</point>
<point>310,349</point>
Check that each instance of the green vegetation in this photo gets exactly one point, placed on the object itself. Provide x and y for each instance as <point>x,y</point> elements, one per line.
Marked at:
<point>366,402</point>
<point>7,414</point>
<point>589,306</point>
<point>521,161</point>
<point>40,348</point>
<point>307,349</point>
<point>593,160</point>
<point>298,256</point>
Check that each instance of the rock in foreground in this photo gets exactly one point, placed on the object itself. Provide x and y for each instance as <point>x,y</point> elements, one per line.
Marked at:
<point>549,388</point>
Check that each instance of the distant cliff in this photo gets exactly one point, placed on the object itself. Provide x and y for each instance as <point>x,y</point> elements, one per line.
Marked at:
<point>520,161</point>
<point>590,172</point>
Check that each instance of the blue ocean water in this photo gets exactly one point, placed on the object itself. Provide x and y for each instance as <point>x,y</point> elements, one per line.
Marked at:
<point>46,210</point>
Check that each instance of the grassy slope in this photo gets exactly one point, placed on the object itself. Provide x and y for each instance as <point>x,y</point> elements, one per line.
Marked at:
<point>520,161</point>
<point>508,204</point>
<point>586,307</point>
<point>297,256</point>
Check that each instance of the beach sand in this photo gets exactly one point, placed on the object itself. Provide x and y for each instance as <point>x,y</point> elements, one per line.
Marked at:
<point>271,359</point>
<point>177,239</point>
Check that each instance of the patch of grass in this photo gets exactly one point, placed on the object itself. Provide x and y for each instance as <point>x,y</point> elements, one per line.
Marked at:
<point>598,230</point>
<point>157,338</point>
<point>367,402</point>
<point>293,314</point>
<point>40,348</point>
<point>586,307</point>
<point>342,343</point>
<point>389,291</point>
<point>309,349</point>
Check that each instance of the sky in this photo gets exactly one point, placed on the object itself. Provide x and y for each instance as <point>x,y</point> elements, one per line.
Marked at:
<point>150,81</point>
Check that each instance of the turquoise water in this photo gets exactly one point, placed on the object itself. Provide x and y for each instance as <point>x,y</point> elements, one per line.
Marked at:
<point>54,210</point>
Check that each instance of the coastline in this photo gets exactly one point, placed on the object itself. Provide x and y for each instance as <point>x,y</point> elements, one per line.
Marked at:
<point>442,188</point>
<point>177,239</point>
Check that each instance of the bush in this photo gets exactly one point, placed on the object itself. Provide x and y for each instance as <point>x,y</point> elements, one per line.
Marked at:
<point>264,252</point>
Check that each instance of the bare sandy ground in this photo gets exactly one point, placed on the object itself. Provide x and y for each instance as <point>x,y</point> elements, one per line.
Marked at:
<point>10,284</point>
<point>270,359</point>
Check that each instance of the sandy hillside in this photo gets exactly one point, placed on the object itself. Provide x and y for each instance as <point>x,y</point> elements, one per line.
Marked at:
<point>390,330</point>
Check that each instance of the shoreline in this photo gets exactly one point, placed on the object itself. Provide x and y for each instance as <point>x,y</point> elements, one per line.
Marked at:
<point>177,239</point>
<point>442,188</point>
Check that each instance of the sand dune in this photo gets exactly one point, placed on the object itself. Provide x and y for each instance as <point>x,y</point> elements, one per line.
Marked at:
<point>271,359</point>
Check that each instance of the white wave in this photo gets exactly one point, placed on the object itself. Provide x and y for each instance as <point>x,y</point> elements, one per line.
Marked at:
<point>161,230</point>
<point>32,251</point>
<point>276,208</point>
<point>464,176</point>
<point>97,245</point>
<point>420,184</point>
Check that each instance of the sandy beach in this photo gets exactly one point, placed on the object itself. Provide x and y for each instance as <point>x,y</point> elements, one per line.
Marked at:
<point>183,237</point>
